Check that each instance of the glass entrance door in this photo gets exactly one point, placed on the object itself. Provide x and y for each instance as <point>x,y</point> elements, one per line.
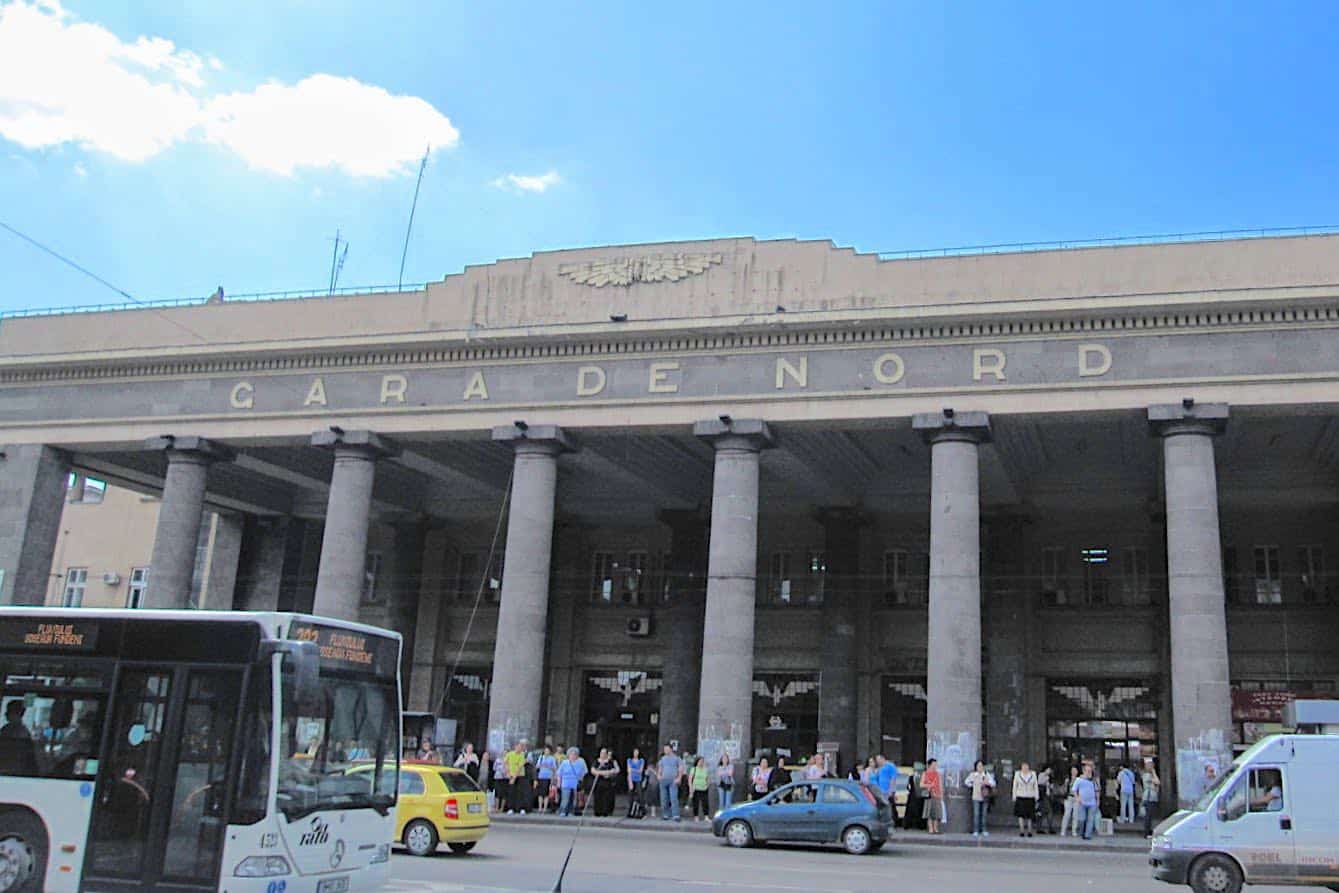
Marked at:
<point>159,813</point>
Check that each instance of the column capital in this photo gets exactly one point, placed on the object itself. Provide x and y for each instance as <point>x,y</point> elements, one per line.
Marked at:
<point>726,433</point>
<point>366,443</point>
<point>950,425</point>
<point>1188,417</point>
<point>524,438</point>
<point>190,448</point>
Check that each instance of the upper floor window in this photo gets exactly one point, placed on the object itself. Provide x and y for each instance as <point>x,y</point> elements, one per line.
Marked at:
<point>76,579</point>
<point>139,582</point>
<point>778,578</point>
<point>1054,587</point>
<point>371,577</point>
<point>1311,569</point>
<point>1268,585</point>
<point>906,577</point>
<point>83,489</point>
<point>1135,588</point>
<point>1096,569</point>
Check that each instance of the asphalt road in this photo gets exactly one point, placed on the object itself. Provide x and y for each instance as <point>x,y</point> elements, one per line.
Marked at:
<point>527,858</point>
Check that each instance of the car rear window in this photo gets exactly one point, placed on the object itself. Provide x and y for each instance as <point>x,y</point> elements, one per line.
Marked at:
<point>459,783</point>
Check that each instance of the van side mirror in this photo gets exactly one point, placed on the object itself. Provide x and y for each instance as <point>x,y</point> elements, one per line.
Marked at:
<point>1222,809</point>
<point>304,658</point>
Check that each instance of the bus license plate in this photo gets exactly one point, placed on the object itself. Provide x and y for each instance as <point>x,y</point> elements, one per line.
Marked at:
<point>333,885</point>
<point>474,807</point>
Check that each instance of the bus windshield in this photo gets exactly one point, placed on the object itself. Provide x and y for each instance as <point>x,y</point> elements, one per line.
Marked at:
<point>352,721</point>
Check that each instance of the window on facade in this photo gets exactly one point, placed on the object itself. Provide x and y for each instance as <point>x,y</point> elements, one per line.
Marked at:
<point>602,567</point>
<point>1134,576</point>
<point>371,576</point>
<point>1096,567</point>
<point>817,572</point>
<point>493,580</point>
<point>1268,587</point>
<point>82,489</point>
<point>1053,576</point>
<point>634,578</point>
<point>1311,569</point>
<point>467,576</point>
<point>896,577</point>
<point>778,579</point>
<point>76,579</point>
<point>139,581</point>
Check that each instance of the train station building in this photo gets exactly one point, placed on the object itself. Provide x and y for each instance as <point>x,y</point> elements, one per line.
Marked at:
<point>751,496</point>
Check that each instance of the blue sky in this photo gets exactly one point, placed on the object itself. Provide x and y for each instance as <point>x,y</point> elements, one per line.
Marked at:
<point>882,126</point>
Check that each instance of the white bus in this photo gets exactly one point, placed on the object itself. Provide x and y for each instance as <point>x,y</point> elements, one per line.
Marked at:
<point>195,750</point>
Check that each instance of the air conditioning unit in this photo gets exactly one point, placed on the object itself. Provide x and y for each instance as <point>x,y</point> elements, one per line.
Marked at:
<point>639,626</point>
<point>111,578</point>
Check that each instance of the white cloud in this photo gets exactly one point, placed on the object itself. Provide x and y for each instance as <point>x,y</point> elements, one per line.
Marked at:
<point>528,183</point>
<point>64,81</point>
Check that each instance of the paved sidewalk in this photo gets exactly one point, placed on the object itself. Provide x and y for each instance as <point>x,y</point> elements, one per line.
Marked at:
<point>1122,842</point>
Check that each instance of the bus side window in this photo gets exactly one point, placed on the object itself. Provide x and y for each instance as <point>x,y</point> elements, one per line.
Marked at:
<point>1267,790</point>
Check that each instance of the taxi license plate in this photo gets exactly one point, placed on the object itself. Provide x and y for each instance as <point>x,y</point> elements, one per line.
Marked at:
<point>333,885</point>
<point>474,807</point>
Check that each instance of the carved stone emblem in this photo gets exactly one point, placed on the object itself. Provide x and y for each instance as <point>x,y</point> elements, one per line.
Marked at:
<point>627,270</point>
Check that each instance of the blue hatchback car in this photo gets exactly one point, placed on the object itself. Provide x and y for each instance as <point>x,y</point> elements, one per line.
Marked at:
<point>828,810</point>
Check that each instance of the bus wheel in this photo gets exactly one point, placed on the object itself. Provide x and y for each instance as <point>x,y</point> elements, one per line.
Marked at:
<point>1215,874</point>
<point>22,853</point>
<point>461,848</point>
<point>420,838</point>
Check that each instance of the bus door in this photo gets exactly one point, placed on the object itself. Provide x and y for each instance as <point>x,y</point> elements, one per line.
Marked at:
<point>160,808</point>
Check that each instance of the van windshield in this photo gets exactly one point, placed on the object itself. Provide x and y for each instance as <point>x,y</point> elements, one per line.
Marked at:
<point>1206,799</point>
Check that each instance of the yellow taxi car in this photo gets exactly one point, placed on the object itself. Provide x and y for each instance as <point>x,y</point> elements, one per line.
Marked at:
<point>437,804</point>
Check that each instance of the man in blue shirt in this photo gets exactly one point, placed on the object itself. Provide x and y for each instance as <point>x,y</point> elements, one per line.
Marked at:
<point>886,776</point>
<point>1085,791</point>
<point>570,773</point>
<point>670,771</point>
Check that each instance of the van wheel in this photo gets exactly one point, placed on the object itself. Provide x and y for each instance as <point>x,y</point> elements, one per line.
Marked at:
<point>856,840</point>
<point>1215,874</point>
<point>23,852</point>
<point>739,834</point>
<point>461,848</point>
<point>420,838</point>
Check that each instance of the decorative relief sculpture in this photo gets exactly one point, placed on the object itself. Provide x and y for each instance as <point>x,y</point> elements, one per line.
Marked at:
<point>627,270</point>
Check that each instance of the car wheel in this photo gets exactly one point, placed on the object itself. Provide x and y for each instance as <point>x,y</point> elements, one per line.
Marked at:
<point>856,840</point>
<point>461,848</point>
<point>22,853</point>
<point>420,838</point>
<point>1215,874</point>
<point>739,834</point>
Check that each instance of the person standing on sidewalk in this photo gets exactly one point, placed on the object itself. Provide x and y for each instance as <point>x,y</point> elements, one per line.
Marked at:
<point>570,774</point>
<point>1047,813</point>
<point>932,783</point>
<point>1125,785</point>
<point>1071,812</point>
<point>885,776</point>
<point>485,780</point>
<point>982,784</point>
<point>1152,793</point>
<point>725,781</point>
<point>1026,793</point>
<point>699,782</point>
<point>670,770</point>
<point>546,767</point>
<point>1085,791</point>
<point>758,780</point>
<point>636,766</point>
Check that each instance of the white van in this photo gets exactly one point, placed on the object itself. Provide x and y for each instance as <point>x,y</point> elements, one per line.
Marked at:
<point>1272,819</point>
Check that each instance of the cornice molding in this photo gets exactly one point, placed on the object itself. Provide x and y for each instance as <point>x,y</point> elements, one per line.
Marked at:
<point>271,360</point>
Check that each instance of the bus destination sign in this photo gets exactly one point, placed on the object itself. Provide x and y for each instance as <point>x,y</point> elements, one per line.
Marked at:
<point>347,649</point>
<point>26,632</point>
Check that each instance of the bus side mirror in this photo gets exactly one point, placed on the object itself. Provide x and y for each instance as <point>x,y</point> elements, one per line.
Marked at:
<point>305,660</point>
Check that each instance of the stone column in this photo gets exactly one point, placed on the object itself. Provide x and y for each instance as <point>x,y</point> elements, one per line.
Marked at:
<point>339,580</point>
<point>838,680</point>
<point>32,497</point>
<point>172,562</point>
<point>428,621</point>
<point>522,620</point>
<point>682,615</point>
<point>725,704</point>
<point>953,711</point>
<point>225,552</point>
<point>1201,697</point>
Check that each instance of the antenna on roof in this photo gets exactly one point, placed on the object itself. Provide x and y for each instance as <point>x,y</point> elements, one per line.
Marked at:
<point>337,261</point>
<point>422,165</point>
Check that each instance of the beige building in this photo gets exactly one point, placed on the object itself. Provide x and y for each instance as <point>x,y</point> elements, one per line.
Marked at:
<point>758,495</point>
<point>104,546</point>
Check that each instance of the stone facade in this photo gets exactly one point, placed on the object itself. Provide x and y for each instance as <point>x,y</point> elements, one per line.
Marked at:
<point>752,496</point>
